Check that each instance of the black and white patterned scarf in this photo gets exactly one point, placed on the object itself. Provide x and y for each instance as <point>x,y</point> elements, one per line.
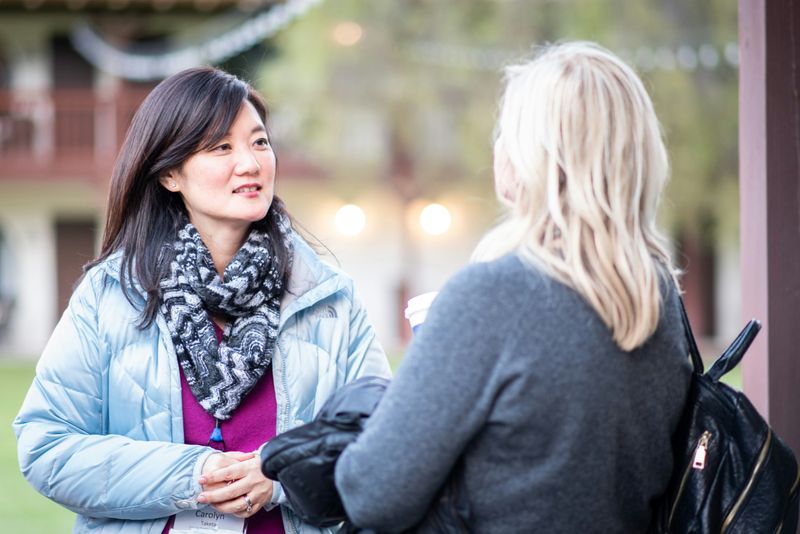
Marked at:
<point>221,374</point>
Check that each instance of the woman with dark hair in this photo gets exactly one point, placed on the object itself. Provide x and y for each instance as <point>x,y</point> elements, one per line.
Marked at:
<point>205,326</point>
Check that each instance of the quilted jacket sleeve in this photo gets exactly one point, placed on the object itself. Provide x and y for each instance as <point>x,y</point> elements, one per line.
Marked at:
<point>63,448</point>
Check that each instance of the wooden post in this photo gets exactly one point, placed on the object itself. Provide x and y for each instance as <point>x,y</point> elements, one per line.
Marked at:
<point>769,155</point>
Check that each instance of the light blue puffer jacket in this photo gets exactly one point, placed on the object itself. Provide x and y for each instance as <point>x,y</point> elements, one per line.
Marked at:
<point>101,429</point>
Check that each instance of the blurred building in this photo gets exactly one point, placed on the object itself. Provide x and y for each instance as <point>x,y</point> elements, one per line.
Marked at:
<point>62,120</point>
<point>381,115</point>
<point>60,123</point>
<point>67,95</point>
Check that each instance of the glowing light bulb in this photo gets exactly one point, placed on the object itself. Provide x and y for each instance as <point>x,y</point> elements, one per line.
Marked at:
<point>347,33</point>
<point>350,220</point>
<point>435,219</point>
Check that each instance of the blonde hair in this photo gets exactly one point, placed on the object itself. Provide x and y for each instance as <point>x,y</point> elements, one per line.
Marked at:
<point>586,165</point>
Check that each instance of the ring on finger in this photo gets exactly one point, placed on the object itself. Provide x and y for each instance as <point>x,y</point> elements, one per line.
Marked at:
<point>248,503</point>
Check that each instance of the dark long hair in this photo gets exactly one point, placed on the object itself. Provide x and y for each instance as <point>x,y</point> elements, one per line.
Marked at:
<point>186,113</point>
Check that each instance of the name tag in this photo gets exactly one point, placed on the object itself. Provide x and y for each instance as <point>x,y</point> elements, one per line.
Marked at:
<point>205,521</point>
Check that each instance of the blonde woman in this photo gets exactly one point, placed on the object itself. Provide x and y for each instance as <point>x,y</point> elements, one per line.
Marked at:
<point>555,367</point>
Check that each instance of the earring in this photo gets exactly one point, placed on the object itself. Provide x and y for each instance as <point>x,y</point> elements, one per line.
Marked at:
<point>173,183</point>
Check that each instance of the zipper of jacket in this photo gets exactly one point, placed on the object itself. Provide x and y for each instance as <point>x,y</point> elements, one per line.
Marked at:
<point>759,463</point>
<point>792,491</point>
<point>700,450</point>
<point>281,425</point>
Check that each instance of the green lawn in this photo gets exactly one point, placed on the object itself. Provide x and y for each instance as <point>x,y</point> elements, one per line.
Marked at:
<point>22,509</point>
<point>733,378</point>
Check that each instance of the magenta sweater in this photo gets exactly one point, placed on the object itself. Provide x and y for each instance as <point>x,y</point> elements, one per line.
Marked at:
<point>251,425</point>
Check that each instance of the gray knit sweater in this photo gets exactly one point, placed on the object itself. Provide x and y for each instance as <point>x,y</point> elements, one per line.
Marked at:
<point>561,431</point>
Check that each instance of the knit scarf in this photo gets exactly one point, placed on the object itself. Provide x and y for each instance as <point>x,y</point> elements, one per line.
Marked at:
<point>221,374</point>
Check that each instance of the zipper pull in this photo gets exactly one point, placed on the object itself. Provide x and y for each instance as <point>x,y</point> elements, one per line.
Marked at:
<point>700,452</point>
<point>216,436</point>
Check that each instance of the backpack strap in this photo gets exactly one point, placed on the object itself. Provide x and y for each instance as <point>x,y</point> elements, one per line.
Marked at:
<point>734,354</point>
<point>694,353</point>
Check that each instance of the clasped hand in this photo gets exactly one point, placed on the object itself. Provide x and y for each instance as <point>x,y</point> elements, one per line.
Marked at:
<point>233,483</point>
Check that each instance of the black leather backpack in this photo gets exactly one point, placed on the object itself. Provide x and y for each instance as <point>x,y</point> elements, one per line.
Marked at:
<point>731,473</point>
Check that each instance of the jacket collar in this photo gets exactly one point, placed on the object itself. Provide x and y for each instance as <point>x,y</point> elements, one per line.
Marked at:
<point>310,281</point>
<point>112,266</point>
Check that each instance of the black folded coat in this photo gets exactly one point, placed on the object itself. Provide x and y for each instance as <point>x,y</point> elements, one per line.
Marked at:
<point>303,459</point>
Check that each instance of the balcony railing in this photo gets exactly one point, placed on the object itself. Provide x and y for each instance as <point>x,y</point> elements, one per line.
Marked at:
<point>62,134</point>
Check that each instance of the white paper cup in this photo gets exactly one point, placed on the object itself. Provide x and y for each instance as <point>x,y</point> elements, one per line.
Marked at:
<point>417,309</point>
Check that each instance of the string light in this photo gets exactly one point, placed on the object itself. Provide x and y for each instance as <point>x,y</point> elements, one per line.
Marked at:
<point>350,220</point>
<point>709,57</point>
<point>435,219</point>
<point>347,33</point>
<point>144,67</point>
<point>687,58</point>
<point>645,58</point>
